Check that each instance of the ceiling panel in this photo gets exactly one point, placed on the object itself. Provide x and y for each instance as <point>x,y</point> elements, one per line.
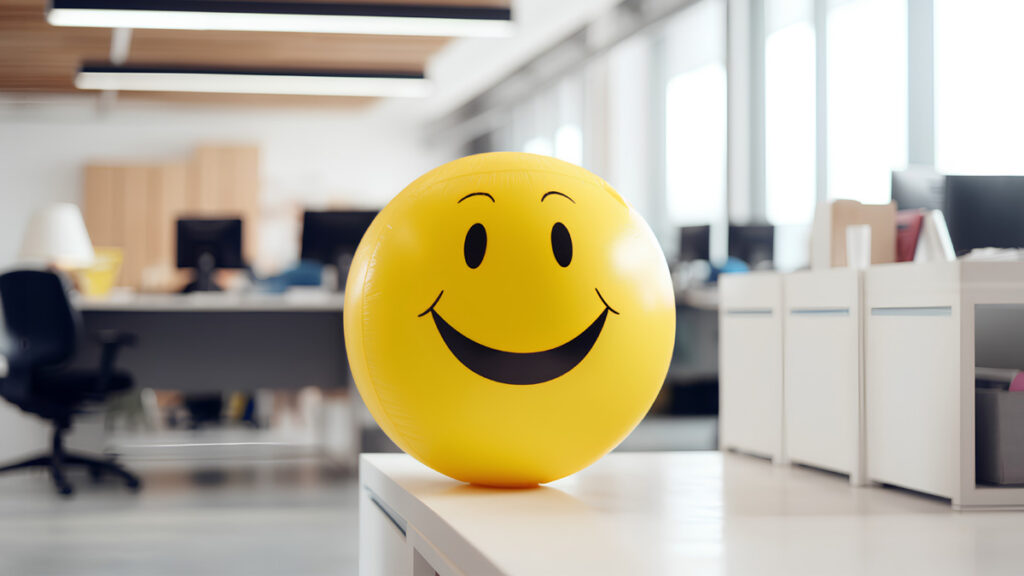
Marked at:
<point>282,50</point>
<point>37,57</point>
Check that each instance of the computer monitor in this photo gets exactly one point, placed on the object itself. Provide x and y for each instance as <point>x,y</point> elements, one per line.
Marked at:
<point>694,243</point>
<point>917,187</point>
<point>753,244</point>
<point>985,212</point>
<point>206,244</point>
<point>331,237</point>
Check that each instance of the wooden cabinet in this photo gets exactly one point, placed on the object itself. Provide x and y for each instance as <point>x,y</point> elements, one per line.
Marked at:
<point>135,207</point>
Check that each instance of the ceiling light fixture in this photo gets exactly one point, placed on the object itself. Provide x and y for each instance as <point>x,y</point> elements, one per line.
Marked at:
<point>319,17</point>
<point>287,82</point>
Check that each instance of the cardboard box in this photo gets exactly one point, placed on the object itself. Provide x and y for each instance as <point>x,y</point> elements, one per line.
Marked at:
<point>828,237</point>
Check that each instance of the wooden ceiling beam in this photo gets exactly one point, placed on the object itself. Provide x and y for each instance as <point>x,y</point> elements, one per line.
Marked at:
<point>37,57</point>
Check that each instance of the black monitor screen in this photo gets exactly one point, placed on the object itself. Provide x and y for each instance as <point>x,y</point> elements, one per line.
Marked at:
<point>752,244</point>
<point>694,243</point>
<point>985,212</point>
<point>328,235</point>
<point>221,239</point>
<point>916,188</point>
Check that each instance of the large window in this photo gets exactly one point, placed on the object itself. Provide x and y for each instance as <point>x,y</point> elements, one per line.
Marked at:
<point>695,145</point>
<point>535,124</point>
<point>789,111</point>
<point>693,44</point>
<point>568,138</point>
<point>625,74</point>
<point>867,97</point>
<point>549,123</point>
<point>824,108</point>
<point>979,87</point>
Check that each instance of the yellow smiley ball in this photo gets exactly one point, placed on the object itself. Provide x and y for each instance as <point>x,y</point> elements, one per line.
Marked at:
<point>509,319</point>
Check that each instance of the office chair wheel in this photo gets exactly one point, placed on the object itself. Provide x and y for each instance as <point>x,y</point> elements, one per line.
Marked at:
<point>65,489</point>
<point>134,484</point>
<point>95,473</point>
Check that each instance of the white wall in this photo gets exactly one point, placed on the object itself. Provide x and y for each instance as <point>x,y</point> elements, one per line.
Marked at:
<point>342,157</point>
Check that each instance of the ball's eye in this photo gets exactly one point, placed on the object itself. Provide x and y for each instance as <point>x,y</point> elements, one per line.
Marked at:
<point>476,245</point>
<point>561,244</point>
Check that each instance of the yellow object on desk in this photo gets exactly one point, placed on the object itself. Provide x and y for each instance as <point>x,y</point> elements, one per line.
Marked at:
<point>509,319</point>
<point>99,279</point>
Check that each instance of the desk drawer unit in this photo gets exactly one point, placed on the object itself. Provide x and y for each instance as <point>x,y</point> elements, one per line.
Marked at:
<point>750,363</point>
<point>927,327</point>
<point>823,388</point>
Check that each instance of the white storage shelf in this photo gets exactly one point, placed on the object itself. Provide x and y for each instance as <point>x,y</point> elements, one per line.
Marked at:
<point>919,375</point>
<point>750,364</point>
<point>823,387</point>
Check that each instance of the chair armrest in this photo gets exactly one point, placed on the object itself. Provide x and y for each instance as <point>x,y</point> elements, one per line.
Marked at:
<point>111,342</point>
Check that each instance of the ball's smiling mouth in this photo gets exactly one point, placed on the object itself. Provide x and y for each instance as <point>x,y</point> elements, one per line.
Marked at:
<point>519,367</point>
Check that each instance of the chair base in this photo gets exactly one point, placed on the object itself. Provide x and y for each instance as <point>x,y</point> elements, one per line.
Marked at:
<point>97,468</point>
<point>58,460</point>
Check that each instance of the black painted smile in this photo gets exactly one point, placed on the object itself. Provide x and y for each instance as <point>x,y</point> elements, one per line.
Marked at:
<point>519,367</point>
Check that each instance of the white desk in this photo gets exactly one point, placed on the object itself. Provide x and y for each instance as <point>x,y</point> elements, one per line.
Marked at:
<point>670,513</point>
<point>927,327</point>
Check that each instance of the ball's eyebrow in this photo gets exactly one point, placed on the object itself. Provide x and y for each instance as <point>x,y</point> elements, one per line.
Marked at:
<point>471,194</point>
<point>557,193</point>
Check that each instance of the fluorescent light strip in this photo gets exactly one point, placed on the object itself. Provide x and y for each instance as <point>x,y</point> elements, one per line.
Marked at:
<point>253,83</point>
<point>281,22</point>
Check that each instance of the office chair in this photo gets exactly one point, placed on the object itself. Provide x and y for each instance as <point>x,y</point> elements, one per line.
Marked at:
<point>42,333</point>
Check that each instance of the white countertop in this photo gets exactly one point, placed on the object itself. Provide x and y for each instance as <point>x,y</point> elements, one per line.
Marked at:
<point>306,300</point>
<point>694,513</point>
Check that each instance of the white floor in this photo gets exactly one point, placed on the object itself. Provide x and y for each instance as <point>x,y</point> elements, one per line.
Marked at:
<point>192,517</point>
<point>248,509</point>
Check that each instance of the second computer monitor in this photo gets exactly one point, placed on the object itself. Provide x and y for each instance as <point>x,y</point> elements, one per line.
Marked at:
<point>330,237</point>
<point>985,212</point>
<point>206,245</point>
<point>694,243</point>
<point>753,244</point>
<point>917,187</point>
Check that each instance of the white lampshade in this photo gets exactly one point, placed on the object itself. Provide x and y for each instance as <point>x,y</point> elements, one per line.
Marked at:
<point>57,235</point>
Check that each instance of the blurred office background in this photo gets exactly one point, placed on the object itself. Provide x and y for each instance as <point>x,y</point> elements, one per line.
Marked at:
<point>723,122</point>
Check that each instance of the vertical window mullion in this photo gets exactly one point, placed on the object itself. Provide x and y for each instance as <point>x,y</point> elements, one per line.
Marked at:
<point>758,38</point>
<point>821,99</point>
<point>921,82</point>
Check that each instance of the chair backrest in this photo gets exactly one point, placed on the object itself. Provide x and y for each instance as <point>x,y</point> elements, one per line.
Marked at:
<point>42,328</point>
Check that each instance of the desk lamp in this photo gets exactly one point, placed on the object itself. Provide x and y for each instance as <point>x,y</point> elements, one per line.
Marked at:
<point>56,236</point>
